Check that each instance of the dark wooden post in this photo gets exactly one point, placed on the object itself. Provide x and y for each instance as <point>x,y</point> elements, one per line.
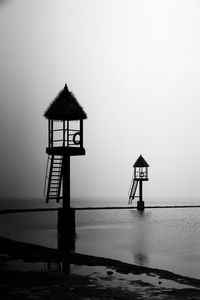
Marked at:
<point>66,214</point>
<point>67,133</point>
<point>66,229</point>
<point>81,133</point>
<point>49,133</point>
<point>140,203</point>
<point>140,191</point>
<point>66,181</point>
<point>63,133</point>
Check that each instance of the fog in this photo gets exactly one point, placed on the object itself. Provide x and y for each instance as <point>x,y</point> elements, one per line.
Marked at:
<point>133,65</point>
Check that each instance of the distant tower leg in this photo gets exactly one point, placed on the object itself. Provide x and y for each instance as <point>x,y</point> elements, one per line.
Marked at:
<point>140,203</point>
<point>140,191</point>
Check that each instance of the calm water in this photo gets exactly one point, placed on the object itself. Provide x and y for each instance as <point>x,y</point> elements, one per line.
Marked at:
<point>161,238</point>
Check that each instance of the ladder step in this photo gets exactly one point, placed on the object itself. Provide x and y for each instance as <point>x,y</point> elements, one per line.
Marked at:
<point>133,191</point>
<point>54,178</point>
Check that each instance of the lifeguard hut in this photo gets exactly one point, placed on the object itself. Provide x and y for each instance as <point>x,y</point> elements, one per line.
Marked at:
<point>140,174</point>
<point>65,139</point>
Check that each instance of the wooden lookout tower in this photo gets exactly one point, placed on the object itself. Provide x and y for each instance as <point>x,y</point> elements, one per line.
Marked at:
<point>65,138</point>
<point>140,174</point>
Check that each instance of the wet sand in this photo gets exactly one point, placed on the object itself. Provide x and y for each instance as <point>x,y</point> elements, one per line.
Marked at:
<point>77,276</point>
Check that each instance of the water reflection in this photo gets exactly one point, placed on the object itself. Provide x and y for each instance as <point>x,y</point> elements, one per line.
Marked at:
<point>140,237</point>
<point>66,244</point>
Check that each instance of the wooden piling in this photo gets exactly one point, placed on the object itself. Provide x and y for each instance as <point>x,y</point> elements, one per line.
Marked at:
<point>66,181</point>
<point>140,203</point>
<point>66,228</point>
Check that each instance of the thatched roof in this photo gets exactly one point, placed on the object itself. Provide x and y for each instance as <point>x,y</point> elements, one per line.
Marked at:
<point>140,162</point>
<point>65,107</point>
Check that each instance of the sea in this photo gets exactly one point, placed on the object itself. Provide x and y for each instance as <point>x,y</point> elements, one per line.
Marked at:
<point>164,238</point>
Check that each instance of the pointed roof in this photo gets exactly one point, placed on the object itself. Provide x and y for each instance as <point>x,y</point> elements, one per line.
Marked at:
<point>65,107</point>
<point>140,162</point>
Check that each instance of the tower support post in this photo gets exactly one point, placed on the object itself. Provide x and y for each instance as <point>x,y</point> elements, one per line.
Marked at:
<point>66,228</point>
<point>66,215</point>
<point>140,203</point>
<point>140,191</point>
<point>66,181</point>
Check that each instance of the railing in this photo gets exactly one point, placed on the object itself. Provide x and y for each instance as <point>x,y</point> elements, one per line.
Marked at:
<point>141,174</point>
<point>46,177</point>
<point>129,192</point>
<point>71,137</point>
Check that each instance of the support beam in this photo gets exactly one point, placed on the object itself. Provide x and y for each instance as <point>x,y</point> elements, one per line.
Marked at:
<point>66,181</point>
<point>81,133</point>
<point>140,190</point>
<point>140,203</point>
<point>66,229</point>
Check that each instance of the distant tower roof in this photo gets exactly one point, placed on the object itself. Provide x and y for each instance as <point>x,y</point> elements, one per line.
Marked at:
<point>65,107</point>
<point>140,162</point>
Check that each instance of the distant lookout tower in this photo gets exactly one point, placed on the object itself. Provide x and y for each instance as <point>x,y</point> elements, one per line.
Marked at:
<point>140,174</point>
<point>65,138</point>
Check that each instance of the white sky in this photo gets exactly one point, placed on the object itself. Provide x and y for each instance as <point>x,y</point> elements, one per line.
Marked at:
<point>135,68</point>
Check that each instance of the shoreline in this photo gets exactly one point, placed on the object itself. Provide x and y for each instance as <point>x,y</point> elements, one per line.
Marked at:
<point>70,284</point>
<point>25,210</point>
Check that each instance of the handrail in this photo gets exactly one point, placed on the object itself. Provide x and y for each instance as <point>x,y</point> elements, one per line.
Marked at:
<point>46,177</point>
<point>60,179</point>
<point>66,129</point>
<point>53,189</point>
<point>65,139</point>
<point>132,179</point>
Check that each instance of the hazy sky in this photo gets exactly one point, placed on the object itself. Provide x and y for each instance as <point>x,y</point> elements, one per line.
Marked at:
<point>134,65</point>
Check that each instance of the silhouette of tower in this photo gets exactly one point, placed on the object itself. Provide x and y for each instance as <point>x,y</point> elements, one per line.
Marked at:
<point>140,174</point>
<point>65,138</point>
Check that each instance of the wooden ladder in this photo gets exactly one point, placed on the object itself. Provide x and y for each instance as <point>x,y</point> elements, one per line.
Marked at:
<point>132,191</point>
<point>53,178</point>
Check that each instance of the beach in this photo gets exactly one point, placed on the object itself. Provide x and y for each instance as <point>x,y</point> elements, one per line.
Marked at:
<point>117,254</point>
<point>163,238</point>
<point>77,276</point>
